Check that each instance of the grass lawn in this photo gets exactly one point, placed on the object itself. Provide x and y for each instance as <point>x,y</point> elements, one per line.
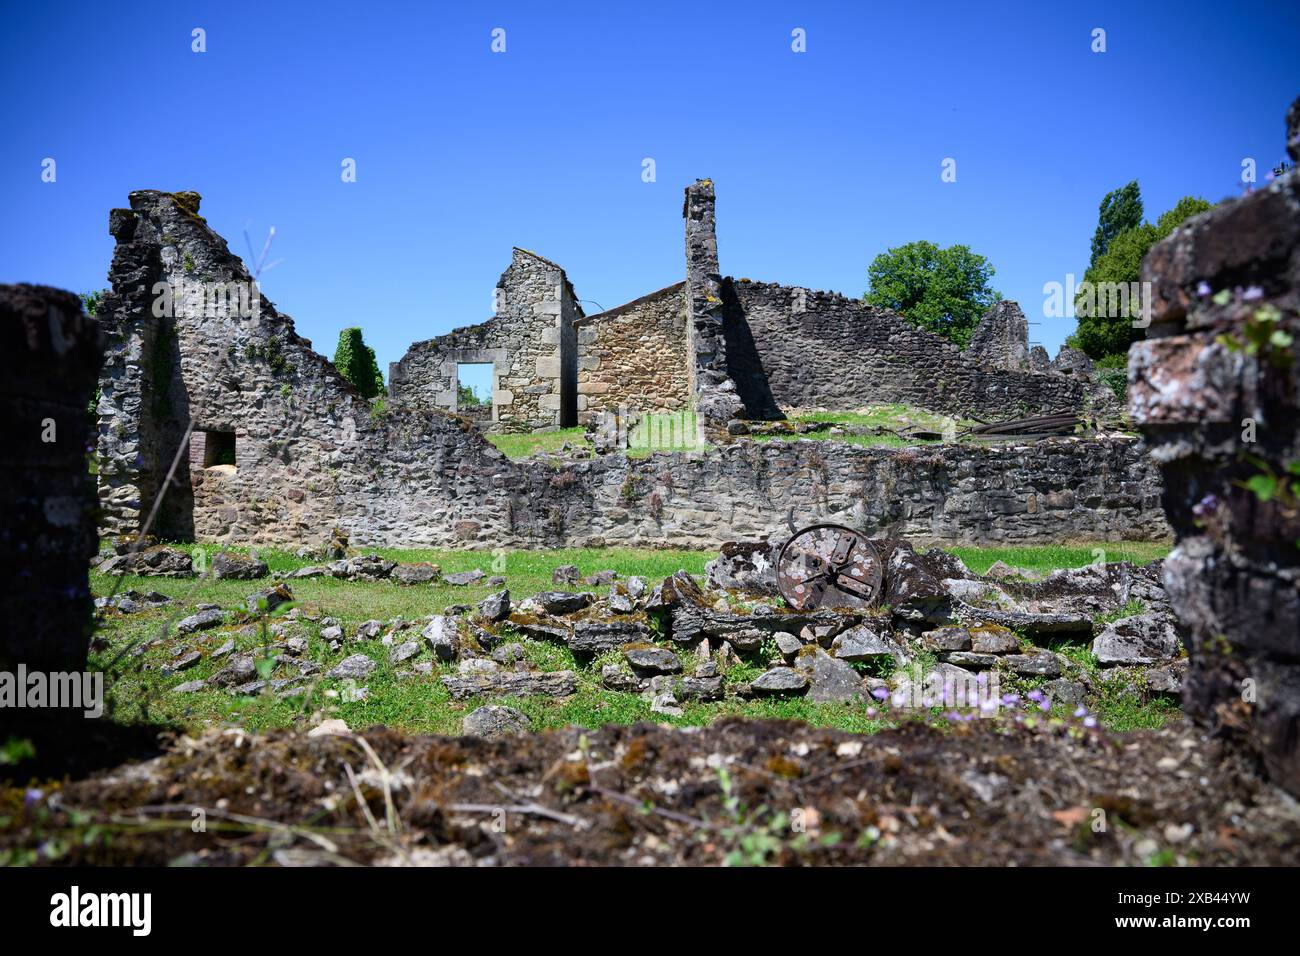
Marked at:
<point>896,416</point>
<point>138,689</point>
<point>1051,557</point>
<point>530,443</point>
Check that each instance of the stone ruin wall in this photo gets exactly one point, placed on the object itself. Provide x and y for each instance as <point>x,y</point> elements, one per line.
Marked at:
<point>309,448</point>
<point>530,341</point>
<point>1001,340</point>
<point>735,348</point>
<point>311,453</point>
<point>1059,490</point>
<point>716,397</point>
<point>789,347</point>
<point>1229,277</point>
<point>443,487</point>
<point>50,356</point>
<point>635,355</point>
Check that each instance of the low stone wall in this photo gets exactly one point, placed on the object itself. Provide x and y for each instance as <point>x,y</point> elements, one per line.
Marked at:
<point>441,486</point>
<point>635,355</point>
<point>50,354</point>
<point>1214,387</point>
<point>793,347</point>
<point>1052,491</point>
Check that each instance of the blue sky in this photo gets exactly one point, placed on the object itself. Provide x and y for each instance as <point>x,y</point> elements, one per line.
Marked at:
<point>821,159</point>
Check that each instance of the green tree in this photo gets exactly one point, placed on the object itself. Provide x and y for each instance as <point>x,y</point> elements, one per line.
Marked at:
<point>1111,335</point>
<point>1121,210</point>
<point>945,291</point>
<point>356,362</point>
<point>465,397</point>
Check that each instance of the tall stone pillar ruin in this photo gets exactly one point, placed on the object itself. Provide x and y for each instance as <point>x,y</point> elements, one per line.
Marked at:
<point>716,399</point>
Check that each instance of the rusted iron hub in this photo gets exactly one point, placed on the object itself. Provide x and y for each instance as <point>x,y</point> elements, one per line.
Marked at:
<point>829,565</point>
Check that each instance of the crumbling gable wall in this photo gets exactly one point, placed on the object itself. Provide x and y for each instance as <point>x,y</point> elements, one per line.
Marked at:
<point>310,451</point>
<point>1001,340</point>
<point>813,349</point>
<point>1215,387</point>
<point>635,355</point>
<point>530,342</point>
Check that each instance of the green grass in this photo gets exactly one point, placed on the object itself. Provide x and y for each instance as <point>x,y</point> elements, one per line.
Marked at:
<point>664,431</point>
<point>896,416</point>
<point>1051,557</point>
<point>531,443</point>
<point>138,690</point>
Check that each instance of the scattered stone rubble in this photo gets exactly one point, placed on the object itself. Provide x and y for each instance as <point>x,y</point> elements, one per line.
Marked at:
<point>675,643</point>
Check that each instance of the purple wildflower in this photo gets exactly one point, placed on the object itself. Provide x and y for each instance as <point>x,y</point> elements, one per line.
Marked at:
<point>880,693</point>
<point>1203,289</point>
<point>1081,711</point>
<point>1035,695</point>
<point>1252,294</point>
<point>1090,721</point>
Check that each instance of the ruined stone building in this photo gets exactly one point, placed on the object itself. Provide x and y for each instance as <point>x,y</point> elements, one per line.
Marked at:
<point>264,442</point>
<point>732,346</point>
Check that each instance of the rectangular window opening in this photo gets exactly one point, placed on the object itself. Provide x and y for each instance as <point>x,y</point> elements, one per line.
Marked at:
<point>474,390</point>
<point>218,448</point>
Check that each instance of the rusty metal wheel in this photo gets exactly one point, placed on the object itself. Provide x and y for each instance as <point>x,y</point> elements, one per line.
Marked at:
<point>829,565</point>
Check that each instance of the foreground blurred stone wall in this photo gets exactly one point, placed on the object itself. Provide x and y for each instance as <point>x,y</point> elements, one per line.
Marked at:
<point>1214,388</point>
<point>50,354</point>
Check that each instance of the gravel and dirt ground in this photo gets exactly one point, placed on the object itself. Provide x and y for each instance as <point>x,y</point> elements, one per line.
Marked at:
<point>982,792</point>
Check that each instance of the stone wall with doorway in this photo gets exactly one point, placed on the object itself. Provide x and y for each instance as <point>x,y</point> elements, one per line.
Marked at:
<point>530,341</point>
<point>310,453</point>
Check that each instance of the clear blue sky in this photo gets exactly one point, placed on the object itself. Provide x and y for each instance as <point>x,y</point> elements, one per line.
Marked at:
<point>821,159</point>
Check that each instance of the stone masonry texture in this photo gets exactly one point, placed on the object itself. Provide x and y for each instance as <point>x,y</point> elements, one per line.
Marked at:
<point>282,449</point>
<point>1214,388</point>
<point>50,353</point>
<point>635,354</point>
<point>530,342</point>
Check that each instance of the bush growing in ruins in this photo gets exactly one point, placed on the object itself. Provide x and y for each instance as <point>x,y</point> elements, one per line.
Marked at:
<point>942,290</point>
<point>356,362</point>
<point>90,300</point>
